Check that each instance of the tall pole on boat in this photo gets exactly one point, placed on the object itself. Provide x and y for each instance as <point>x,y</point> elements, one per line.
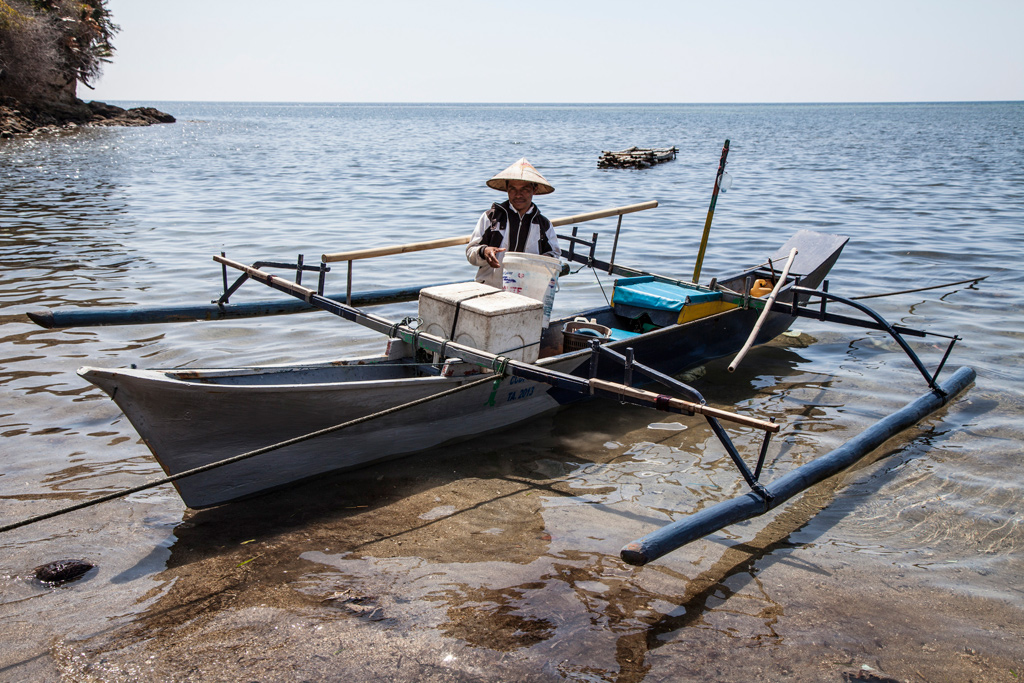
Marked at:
<point>711,213</point>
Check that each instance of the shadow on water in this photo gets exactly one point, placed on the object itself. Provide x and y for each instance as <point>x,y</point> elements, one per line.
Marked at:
<point>437,505</point>
<point>529,458</point>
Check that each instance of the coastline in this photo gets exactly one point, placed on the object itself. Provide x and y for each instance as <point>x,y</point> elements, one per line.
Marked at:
<point>18,118</point>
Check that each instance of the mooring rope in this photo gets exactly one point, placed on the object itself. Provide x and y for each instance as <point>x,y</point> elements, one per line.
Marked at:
<point>499,365</point>
<point>599,284</point>
<point>245,456</point>
<point>973,280</point>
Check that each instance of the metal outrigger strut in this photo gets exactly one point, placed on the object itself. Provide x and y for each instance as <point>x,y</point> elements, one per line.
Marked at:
<point>630,365</point>
<point>763,498</point>
<point>877,322</point>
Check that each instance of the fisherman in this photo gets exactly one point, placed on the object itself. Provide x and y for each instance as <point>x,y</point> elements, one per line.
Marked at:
<point>512,225</point>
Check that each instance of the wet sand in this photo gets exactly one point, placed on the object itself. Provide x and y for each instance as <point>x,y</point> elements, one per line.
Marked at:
<point>497,559</point>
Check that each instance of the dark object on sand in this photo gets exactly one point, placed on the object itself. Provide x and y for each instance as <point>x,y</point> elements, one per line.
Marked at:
<point>865,675</point>
<point>634,157</point>
<point>62,571</point>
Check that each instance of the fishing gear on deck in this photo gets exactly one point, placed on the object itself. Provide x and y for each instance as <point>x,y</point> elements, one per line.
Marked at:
<point>482,358</point>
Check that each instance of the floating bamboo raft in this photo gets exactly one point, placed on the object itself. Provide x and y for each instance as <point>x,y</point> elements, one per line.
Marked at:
<point>634,157</point>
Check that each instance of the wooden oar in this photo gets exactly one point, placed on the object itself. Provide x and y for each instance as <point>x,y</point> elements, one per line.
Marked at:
<point>711,214</point>
<point>764,313</point>
<point>617,389</point>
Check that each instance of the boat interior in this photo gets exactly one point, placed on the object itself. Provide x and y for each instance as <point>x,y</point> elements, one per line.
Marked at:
<point>645,304</point>
<point>639,305</point>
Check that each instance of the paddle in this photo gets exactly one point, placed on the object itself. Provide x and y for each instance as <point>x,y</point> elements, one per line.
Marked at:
<point>764,312</point>
<point>711,213</point>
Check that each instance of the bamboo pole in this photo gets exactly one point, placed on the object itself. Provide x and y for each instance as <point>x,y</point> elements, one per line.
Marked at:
<point>688,406</point>
<point>397,249</point>
<point>455,241</point>
<point>604,213</point>
<point>711,213</point>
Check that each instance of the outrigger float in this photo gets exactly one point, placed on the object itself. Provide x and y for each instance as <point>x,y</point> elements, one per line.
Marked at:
<point>207,428</point>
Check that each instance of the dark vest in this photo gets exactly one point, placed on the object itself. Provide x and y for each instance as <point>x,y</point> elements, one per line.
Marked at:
<point>503,217</point>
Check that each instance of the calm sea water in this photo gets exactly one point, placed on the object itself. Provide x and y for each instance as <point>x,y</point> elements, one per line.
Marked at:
<point>927,193</point>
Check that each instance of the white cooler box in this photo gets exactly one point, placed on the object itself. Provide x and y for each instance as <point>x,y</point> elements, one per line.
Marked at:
<point>490,319</point>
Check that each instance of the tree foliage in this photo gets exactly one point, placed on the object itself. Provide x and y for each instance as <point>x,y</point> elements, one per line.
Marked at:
<point>48,46</point>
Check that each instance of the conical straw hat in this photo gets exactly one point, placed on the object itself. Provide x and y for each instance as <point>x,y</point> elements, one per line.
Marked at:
<point>521,170</point>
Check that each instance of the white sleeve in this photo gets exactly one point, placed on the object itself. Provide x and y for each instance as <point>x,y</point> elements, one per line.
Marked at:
<point>556,249</point>
<point>473,249</point>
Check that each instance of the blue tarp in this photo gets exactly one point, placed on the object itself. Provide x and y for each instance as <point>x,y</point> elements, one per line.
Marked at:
<point>617,334</point>
<point>645,292</point>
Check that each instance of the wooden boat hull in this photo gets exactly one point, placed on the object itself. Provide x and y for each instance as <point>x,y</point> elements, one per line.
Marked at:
<point>190,418</point>
<point>194,417</point>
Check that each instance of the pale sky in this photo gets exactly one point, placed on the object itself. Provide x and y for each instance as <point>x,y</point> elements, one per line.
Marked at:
<point>566,51</point>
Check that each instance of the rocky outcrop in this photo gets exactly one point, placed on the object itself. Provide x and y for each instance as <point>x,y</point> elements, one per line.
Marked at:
<point>17,118</point>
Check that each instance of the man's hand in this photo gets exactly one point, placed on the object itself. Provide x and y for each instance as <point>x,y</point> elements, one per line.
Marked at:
<point>491,256</point>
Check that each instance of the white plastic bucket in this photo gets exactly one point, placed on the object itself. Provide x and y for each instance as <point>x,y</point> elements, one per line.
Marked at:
<point>532,275</point>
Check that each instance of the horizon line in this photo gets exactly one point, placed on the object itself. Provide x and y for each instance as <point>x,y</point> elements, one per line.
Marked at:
<point>527,104</point>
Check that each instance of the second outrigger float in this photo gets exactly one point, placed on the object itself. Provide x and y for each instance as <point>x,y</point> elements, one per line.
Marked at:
<point>226,434</point>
